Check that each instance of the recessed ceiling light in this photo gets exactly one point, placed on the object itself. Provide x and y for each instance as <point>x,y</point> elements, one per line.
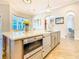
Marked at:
<point>27,1</point>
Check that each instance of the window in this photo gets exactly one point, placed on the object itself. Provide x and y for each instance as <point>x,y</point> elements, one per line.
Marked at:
<point>18,23</point>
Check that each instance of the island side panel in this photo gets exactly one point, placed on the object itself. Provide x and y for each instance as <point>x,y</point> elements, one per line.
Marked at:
<point>6,48</point>
<point>18,50</point>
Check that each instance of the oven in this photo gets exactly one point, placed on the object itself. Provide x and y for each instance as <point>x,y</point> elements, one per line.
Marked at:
<point>32,46</point>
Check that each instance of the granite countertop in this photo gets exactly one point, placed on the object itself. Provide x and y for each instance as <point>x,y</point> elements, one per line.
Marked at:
<point>23,35</point>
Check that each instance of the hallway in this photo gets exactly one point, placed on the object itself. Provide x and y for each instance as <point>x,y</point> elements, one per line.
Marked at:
<point>67,49</point>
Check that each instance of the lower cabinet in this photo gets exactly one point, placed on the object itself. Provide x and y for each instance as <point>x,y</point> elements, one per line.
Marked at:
<point>46,44</point>
<point>46,50</point>
<point>55,39</point>
<point>38,55</point>
<point>52,42</point>
<point>49,43</point>
<point>58,36</point>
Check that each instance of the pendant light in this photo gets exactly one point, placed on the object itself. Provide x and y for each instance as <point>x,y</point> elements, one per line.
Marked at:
<point>48,7</point>
<point>28,1</point>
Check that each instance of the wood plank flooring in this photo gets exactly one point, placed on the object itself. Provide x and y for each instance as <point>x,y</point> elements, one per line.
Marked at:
<point>67,49</point>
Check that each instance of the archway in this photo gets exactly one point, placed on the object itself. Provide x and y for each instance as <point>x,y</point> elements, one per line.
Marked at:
<point>70,25</point>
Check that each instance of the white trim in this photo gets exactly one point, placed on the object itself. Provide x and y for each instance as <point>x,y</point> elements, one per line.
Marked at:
<point>68,13</point>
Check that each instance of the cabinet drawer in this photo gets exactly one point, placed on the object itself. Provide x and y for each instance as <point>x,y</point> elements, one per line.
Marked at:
<point>29,40</point>
<point>39,37</point>
<point>46,50</point>
<point>38,55</point>
<point>32,39</point>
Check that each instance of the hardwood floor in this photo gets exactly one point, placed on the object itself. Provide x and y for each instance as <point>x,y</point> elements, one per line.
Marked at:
<point>67,49</point>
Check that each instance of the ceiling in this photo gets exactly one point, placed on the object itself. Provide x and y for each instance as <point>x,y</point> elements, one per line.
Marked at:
<point>37,5</point>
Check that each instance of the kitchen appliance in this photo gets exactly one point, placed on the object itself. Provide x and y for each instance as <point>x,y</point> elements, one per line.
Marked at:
<point>31,46</point>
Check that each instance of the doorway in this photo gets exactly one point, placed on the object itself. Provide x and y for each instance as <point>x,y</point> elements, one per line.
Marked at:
<point>70,25</point>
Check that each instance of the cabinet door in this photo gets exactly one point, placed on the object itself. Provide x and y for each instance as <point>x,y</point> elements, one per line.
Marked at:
<point>38,55</point>
<point>52,41</point>
<point>47,41</point>
<point>58,36</point>
<point>46,45</point>
<point>46,50</point>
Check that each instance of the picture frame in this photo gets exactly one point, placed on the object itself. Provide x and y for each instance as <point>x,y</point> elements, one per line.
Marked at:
<point>59,20</point>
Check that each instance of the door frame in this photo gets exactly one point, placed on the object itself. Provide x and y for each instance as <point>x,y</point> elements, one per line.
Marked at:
<point>67,14</point>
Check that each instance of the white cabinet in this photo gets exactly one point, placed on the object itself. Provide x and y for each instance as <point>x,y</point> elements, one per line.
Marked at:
<point>46,44</point>
<point>38,55</point>
<point>46,50</point>
<point>52,41</point>
<point>46,41</point>
<point>55,38</point>
<point>58,36</point>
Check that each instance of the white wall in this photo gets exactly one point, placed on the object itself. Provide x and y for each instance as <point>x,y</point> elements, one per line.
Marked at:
<point>63,12</point>
<point>4,13</point>
<point>17,13</point>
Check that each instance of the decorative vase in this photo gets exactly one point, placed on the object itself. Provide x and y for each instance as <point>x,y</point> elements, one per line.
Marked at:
<point>26,27</point>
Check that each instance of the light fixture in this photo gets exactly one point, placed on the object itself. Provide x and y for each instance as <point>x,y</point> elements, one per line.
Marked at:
<point>48,9</point>
<point>28,1</point>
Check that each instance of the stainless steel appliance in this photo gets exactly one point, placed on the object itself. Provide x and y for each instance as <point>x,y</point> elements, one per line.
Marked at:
<point>32,46</point>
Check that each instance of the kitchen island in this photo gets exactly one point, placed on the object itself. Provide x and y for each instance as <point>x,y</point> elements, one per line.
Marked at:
<point>29,45</point>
